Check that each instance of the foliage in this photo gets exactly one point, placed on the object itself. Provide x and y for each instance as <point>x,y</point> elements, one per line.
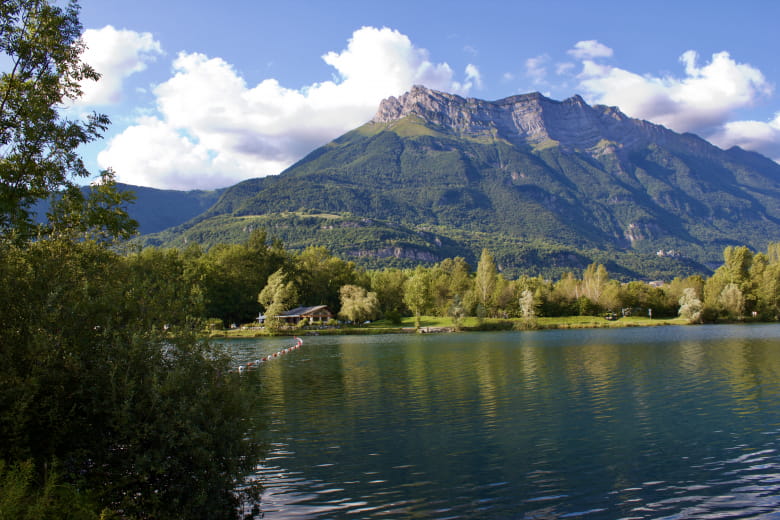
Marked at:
<point>320,276</point>
<point>417,293</point>
<point>278,295</point>
<point>86,349</point>
<point>528,310</point>
<point>22,498</point>
<point>485,280</point>
<point>43,71</point>
<point>231,276</point>
<point>690,306</point>
<point>388,284</point>
<point>357,304</point>
<point>110,406</point>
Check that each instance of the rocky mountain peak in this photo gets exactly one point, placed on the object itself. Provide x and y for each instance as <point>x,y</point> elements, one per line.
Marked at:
<point>527,118</point>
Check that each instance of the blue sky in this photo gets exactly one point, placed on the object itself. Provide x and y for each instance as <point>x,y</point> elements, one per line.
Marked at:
<point>204,94</point>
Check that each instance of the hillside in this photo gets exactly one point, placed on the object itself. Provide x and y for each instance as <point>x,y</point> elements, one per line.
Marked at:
<point>156,210</point>
<point>547,185</point>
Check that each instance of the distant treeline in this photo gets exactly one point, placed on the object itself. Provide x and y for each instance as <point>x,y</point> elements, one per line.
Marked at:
<point>236,283</point>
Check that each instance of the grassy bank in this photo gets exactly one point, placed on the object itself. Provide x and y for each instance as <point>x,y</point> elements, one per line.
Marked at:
<point>434,323</point>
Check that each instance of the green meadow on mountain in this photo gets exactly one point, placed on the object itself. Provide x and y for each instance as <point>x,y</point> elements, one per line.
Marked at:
<point>548,186</point>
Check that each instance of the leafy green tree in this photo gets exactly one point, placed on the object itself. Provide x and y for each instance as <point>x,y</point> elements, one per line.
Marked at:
<point>766,281</point>
<point>737,262</point>
<point>139,419</point>
<point>278,296</point>
<point>449,279</point>
<point>166,420</point>
<point>485,280</point>
<point>22,499</point>
<point>729,291</point>
<point>41,47</point>
<point>595,285</point>
<point>157,277</point>
<point>320,275</point>
<point>732,301</point>
<point>97,213</point>
<point>388,284</point>
<point>417,293</point>
<point>673,291</point>
<point>357,304</point>
<point>232,275</point>
<point>457,311</point>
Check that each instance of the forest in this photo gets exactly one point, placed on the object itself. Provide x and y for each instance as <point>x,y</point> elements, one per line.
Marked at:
<point>236,283</point>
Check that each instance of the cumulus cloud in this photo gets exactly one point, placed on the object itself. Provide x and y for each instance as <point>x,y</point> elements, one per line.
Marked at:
<point>758,136</point>
<point>590,49</point>
<point>702,100</point>
<point>213,129</point>
<point>116,55</point>
<point>473,77</point>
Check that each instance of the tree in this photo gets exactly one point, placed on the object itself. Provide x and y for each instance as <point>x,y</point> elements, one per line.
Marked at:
<point>321,275</point>
<point>278,295</point>
<point>690,306</point>
<point>485,280</point>
<point>41,46</point>
<point>417,293</point>
<point>449,280</point>
<point>166,419</point>
<point>357,304</point>
<point>138,419</point>
<point>565,294</point>
<point>732,301</point>
<point>528,309</point>
<point>388,284</point>
<point>232,275</point>
<point>597,287</point>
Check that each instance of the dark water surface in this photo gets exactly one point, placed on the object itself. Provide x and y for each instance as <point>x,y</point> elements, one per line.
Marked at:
<point>668,422</point>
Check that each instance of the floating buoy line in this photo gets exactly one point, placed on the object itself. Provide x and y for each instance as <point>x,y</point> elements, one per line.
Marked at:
<point>258,362</point>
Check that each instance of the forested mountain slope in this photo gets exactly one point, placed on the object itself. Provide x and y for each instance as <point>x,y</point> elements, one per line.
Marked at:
<point>547,185</point>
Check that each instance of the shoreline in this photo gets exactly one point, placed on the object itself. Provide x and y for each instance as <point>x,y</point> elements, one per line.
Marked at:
<point>434,325</point>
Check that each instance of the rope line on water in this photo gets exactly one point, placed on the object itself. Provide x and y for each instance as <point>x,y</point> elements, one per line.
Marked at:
<point>258,362</point>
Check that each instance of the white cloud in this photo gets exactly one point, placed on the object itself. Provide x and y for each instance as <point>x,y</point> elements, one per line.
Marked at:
<point>473,77</point>
<point>564,68</point>
<point>536,68</point>
<point>701,101</point>
<point>116,55</point>
<point>590,49</point>
<point>758,136</point>
<point>217,129</point>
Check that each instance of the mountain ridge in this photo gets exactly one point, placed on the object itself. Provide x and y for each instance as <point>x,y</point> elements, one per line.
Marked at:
<point>526,170</point>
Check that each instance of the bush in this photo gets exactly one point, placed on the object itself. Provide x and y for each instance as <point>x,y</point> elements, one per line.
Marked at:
<point>394,317</point>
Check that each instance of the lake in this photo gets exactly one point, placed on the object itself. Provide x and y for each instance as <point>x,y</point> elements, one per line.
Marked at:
<point>634,423</point>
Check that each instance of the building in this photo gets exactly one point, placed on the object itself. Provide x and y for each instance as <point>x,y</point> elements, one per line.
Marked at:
<point>316,314</point>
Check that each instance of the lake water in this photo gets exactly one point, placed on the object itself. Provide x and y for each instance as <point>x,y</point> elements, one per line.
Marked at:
<point>666,422</point>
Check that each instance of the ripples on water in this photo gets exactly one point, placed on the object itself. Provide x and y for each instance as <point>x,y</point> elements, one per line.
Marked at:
<point>675,422</point>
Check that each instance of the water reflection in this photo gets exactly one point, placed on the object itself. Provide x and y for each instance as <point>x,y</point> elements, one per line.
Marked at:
<point>633,423</point>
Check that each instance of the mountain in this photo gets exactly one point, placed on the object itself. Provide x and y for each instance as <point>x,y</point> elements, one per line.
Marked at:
<point>154,209</point>
<point>546,185</point>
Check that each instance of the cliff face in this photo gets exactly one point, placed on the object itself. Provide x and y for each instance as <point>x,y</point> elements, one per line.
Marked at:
<point>533,119</point>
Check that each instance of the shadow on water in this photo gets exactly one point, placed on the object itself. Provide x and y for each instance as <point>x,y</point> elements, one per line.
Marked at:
<point>673,422</point>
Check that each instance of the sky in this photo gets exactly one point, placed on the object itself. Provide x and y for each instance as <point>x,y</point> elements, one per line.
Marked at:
<point>204,94</point>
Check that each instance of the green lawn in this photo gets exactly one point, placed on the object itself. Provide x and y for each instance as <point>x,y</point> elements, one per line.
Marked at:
<point>471,323</point>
